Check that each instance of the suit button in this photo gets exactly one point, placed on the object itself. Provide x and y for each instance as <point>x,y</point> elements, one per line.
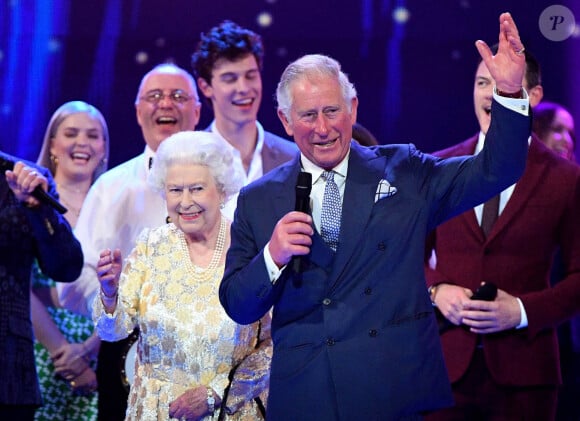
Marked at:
<point>368,291</point>
<point>330,342</point>
<point>381,246</point>
<point>373,333</point>
<point>326,301</point>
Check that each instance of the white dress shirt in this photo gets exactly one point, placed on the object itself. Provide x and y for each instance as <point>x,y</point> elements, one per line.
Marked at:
<point>255,171</point>
<point>504,197</point>
<point>118,206</point>
<point>316,196</point>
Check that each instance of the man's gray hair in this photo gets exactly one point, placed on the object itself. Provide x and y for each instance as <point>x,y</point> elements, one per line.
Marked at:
<point>311,66</point>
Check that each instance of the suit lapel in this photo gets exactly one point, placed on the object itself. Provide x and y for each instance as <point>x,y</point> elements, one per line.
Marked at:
<point>469,220</point>
<point>525,187</point>
<point>285,193</point>
<point>365,170</point>
<point>285,201</point>
<point>270,155</point>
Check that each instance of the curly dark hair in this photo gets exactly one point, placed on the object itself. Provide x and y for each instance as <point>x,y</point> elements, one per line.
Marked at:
<point>227,40</point>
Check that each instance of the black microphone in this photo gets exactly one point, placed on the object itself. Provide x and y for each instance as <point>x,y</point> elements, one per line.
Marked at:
<point>303,188</point>
<point>486,292</point>
<point>38,192</point>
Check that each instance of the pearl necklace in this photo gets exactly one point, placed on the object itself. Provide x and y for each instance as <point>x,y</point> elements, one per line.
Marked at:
<point>209,272</point>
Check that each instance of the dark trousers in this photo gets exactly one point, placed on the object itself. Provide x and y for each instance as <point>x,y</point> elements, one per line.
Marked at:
<point>17,412</point>
<point>113,393</point>
<point>478,397</point>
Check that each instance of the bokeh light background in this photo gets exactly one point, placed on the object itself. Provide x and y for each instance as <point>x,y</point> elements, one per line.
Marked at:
<point>412,61</point>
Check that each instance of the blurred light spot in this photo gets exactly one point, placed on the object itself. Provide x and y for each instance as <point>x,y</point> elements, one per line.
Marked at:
<point>576,32</point>
<point>401,15</point>
<point>160,42</point>
<point>271,1</point>
<point>142,57</point>
<point>1,55</point>
<point>464,4</point>
<point>264,19</point>
<point>6,109</point>
<point>455,55</point>
<point>54,45</point>
<point>281,51</point>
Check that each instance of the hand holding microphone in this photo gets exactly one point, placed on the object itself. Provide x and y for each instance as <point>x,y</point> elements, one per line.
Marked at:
<point>303,189</point>
<point>292,234</point>
<point>28,184</point>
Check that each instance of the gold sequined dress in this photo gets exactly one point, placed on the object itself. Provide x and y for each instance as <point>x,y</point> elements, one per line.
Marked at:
<point>186,337</point>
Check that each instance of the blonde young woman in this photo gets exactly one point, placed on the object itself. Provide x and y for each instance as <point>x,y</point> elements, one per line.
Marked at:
<point>75,150</point>
<point>193,362</point>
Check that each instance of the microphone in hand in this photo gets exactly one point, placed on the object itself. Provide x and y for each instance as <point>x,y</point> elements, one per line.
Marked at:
<point>38,192</point>
<point>303,189</point>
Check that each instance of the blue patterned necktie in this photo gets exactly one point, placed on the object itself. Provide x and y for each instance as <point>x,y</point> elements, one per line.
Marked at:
<point>331,212</point>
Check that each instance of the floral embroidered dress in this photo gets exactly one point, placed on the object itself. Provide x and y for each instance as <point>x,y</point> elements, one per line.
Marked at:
<point>186,337</point>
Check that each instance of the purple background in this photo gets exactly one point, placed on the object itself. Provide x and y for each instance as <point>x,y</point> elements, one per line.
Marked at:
<point>414,79</point>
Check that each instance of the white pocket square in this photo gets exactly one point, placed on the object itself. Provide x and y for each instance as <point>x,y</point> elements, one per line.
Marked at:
<point>384,189</point>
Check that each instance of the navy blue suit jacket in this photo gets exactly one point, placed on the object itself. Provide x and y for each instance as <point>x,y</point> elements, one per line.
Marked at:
<point>358,339</point>
<point>25,235</point>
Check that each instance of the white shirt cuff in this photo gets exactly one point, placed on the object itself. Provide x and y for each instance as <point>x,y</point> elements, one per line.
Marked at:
<point>273,271</point>
<point>519,105</point>
<point>524,319</point>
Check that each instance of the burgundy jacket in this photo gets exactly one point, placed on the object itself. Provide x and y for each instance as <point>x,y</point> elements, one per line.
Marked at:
<point>542,215</point>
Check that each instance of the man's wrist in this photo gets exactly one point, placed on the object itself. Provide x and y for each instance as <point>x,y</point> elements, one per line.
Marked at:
<point>432,293</point>
<point>519,94</point>
<point>108,300</point>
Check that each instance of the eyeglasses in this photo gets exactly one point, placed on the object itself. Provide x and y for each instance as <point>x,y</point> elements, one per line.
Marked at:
<point>178,97</point>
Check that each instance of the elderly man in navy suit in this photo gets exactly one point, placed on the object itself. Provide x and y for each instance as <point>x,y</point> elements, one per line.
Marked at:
<point>355,337</point>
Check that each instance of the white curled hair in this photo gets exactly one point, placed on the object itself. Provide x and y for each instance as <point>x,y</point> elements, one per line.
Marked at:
<point>198,148</point>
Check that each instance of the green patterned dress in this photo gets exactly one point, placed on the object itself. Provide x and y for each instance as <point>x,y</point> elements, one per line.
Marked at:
<point>60,403</point>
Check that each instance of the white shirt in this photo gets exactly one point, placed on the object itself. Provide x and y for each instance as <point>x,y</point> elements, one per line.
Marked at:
<point>316,196</point>
<point>504,197</point>
<point>118,206</point>
<point>255,171</point>
<point>319,183</point>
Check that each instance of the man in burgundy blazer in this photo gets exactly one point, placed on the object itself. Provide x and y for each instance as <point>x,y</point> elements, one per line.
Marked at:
<point>502,356</point>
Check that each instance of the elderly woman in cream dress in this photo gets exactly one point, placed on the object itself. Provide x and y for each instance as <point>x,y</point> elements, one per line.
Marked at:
<point>193,362</point>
